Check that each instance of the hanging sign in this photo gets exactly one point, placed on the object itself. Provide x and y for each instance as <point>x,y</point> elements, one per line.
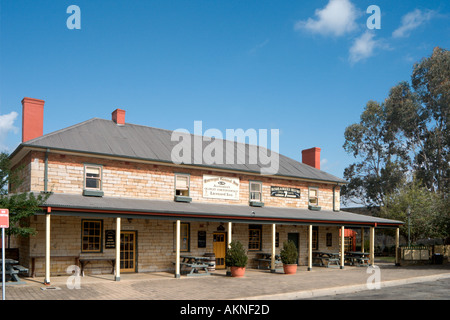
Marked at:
<point>110,239</point>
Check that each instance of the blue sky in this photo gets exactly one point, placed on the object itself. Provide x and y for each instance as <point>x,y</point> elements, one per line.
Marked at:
<point>305,68</point>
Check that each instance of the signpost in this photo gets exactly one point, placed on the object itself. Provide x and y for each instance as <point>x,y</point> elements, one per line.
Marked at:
<point>4,223</point>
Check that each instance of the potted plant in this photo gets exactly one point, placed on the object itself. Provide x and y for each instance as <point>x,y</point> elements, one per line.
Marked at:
<point>289,255</point>
<point>236,259</point>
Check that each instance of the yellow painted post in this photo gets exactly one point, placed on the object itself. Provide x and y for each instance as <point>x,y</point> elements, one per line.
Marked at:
<point>397,245</point>
<point>118,227</point>
<point>372,246</point>
<point>228,246</point>
<point>362,239</point>
<point>310,247</point>
<point>342,247</point>
<point>272,262</point>
<point>177,250</point>
<point>47,249</point>
<point>229,233</point>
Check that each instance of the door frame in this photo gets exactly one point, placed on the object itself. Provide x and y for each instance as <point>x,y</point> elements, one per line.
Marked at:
<point>135,269</point>
<point>224,244</point>
<point>298,243</point>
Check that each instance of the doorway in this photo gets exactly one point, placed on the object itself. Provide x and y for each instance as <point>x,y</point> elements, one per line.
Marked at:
<point>219,248</point>
<point>295,237</point>
<point>128,251</point>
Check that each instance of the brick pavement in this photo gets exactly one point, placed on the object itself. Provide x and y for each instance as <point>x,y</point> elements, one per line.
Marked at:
<point>257,284</point>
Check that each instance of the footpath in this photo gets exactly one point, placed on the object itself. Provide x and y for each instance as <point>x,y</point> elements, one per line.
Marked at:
<point>256,285</point>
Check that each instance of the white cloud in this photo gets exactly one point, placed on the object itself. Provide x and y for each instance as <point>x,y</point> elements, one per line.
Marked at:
<point>337,18</point>
<point>411,21</point>
<point>363,47</point>
<point>6,126</point>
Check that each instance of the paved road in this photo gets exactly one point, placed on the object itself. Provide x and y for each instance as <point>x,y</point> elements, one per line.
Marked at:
<point>433,290</point>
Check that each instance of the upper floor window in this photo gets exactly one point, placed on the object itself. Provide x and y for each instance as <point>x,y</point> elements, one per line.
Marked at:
<point>93,180</point>
<point>313,197</point>
<point>182,186</point>
<point>256,193</point>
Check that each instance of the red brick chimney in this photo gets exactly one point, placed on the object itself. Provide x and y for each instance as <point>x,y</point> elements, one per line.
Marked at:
<point>311,157</point>
<point>32,118</point>
<point>118,116</point>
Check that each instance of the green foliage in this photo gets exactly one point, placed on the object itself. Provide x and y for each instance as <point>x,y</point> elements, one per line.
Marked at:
<point>21,205</point>
<point>236,256</point>
<point>289,253</point>
<point>406,136</point>
<point>429,212</point>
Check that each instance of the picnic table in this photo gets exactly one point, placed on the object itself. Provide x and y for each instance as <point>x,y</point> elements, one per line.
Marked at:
<point>326,258</point>
<point>357,258</point>
<point>196,264</point>
<point>12,270</point>
<point>264,258</point>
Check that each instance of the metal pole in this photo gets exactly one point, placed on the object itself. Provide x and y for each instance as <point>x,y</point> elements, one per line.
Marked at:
<point>3,265</point>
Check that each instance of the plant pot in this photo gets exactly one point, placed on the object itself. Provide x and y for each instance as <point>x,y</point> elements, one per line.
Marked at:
<point>290,268</point>
<point>237,272</point>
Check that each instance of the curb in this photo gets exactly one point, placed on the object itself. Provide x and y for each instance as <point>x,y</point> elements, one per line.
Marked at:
<point>305,294</point>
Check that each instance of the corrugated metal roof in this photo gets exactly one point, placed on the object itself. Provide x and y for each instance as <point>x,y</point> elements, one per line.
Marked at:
<point>200,211</point>
<point>105,137</point>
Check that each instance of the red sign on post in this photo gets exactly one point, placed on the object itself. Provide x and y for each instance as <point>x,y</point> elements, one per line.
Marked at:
<point>4,218</point>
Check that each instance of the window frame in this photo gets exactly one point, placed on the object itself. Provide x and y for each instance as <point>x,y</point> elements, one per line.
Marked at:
<point>88,191</point>
<point>99,237</point>
<point>255,182</point>
<point>315,238</point>
<point>252,228</point>
<point>181,197</point>
<point>316,197</point>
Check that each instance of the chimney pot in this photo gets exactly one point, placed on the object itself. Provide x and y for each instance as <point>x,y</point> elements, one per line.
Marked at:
<point>32,118</point>
<point>311,157</point>
<point>118,116</point>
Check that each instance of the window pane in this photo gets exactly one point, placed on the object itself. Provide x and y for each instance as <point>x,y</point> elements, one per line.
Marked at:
<point>255,186</point>
<point>182,182</point>
<point>93,171</point>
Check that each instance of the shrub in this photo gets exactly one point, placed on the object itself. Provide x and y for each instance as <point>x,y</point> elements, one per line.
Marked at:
<point>289,253</point>
<point>236,256</point>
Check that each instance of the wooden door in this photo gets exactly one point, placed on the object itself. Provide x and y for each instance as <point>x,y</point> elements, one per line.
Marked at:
<point>128,251</point>
<point>219,248</point>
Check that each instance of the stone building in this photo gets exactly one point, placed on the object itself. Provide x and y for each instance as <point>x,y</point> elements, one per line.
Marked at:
<point>118,200</point>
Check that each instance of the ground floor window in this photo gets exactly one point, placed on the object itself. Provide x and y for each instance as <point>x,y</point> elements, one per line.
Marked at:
<point>315,238</point>
<point>254,237</point>
<point>91,231</point>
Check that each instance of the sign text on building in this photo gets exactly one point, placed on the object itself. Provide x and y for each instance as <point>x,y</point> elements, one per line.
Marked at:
<point>220,187</point>
<point>285,192</point>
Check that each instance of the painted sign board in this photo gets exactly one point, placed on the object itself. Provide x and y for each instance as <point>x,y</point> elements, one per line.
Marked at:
<point>4,218</point>
<point>220,187</point>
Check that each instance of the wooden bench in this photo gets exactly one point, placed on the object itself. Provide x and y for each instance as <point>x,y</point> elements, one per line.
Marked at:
<point>20,269</point>
<point>34,257</point>
<point>268,261</point>
<point>84,261</point>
